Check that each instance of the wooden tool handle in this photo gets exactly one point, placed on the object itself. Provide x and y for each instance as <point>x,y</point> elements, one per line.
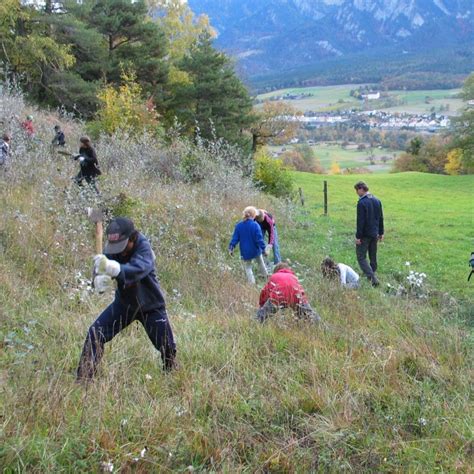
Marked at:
<point>99,234</point>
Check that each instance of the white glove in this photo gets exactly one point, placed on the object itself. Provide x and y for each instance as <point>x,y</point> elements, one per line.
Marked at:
<point>103,283</point>
<point>105,266</point>
<point>81,159</point>
<point>268,248</point>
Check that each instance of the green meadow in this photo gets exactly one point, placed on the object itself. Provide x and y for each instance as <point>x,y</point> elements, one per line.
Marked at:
<point>328,154</point>
<point>428,222</point>
<point>328,98</point>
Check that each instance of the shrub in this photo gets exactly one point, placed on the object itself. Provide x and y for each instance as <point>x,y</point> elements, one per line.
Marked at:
<point>335,168</point>
<point>302,158</point>
<point>272,176</point>
<point>124,109</point>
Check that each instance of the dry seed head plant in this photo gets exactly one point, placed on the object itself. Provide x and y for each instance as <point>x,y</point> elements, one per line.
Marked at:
<point>381,385</point>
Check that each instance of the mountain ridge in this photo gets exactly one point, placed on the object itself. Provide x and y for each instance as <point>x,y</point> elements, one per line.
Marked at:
<point>286,34</point>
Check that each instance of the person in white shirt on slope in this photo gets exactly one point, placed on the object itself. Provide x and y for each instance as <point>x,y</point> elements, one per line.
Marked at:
<point>346,275</point>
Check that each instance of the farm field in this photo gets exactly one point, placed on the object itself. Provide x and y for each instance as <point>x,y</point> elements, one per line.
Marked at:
<point>428,221</point>
<point>349,158</point>
<point>331,98</point>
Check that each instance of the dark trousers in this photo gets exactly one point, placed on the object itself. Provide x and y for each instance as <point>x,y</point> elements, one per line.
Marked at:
<point>117,317</point>
<point>90,180</point>
<point>302,311</point>
<point>368,245</point>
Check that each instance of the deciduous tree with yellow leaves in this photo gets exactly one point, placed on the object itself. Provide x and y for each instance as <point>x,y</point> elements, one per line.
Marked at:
<point>124,108</point>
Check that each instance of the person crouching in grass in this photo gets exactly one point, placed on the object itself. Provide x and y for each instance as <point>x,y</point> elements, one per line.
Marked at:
<point>340,271</point>
<point>283,290</point>
<point>248,235</point>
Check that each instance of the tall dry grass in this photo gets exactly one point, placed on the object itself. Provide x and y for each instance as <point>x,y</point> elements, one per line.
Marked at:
<point>382,386</point>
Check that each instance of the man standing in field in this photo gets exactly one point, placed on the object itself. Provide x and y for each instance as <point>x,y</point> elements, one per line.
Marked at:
<point>369,230</point>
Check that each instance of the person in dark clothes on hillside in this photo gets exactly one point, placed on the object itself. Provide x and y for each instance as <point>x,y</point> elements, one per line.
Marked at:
<point>87,158</point>
<point>59,137</point>
<point>4,150</point>
<point>370,230</point>
<point>130,260</point>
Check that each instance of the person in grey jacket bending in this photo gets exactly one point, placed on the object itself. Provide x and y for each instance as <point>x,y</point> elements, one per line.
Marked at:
<point>130,260</point>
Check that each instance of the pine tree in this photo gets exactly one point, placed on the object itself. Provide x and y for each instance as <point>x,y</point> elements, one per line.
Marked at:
<point>215,102</point>
<point>132,40</point>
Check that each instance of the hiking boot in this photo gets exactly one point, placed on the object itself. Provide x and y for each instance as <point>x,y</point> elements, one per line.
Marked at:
<point>170,364</point>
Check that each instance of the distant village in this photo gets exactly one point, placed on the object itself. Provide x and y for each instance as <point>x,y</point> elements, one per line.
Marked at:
<point>371,119</point>
<point>377,119</point>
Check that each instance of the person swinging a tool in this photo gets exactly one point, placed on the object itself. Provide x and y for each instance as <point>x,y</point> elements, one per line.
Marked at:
<point>129,259</point>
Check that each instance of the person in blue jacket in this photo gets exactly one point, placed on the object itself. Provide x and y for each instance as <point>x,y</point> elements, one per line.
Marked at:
<point>130,260</point>
<point>370,230</point>
<point>248,235</point>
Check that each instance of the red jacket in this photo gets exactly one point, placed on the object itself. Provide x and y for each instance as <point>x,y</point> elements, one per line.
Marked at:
<point>27,126</point>
<point>283,288</point>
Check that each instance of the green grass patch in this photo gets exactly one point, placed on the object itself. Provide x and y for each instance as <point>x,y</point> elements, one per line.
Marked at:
<point>428,222</point>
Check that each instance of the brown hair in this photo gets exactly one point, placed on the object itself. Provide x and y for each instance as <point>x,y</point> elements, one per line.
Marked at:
<point>329,268</point>
<point>280,266</point>
<point>361,185</point>
<point>260,215</point>
<point>6,137</point>
<point>86,141</point>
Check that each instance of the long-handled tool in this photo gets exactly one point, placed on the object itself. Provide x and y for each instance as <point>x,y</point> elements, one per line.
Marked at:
<point>96,216</point>
<point>66,153</point>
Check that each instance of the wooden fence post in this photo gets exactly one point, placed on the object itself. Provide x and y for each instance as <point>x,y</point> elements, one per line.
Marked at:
<point>325,198</point>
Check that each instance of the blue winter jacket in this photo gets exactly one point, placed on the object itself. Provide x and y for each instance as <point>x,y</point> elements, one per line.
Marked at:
<point>137,285</point>
<point>249,235</point>
<point>369,217</point>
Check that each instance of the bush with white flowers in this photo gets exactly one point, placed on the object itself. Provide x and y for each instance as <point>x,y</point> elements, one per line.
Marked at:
<point>413,284</point>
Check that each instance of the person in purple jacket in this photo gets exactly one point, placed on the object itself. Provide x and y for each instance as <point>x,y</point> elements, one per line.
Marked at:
<point>268,226</point>
<point>248,235</point>
<point>130,260</point>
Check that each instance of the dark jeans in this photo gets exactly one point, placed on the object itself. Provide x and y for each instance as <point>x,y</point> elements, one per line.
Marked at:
<point>90,180</point>
<point>369,244</point>
<point>117,317</point>
<point>302,311</point>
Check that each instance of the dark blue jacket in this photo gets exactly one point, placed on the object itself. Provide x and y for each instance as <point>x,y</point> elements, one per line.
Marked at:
<point>137,285</point>
<point>249,235</point>
<point>369,217</point>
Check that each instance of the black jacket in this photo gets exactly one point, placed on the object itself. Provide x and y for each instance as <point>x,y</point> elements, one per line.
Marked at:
<point>90,165</point>
<point>59,139</point>
<point>138,288</point>
<point>369,217</point>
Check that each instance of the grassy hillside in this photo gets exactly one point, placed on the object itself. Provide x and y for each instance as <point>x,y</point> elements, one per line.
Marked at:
<point>327,154</point>
<point>428,221</point>
<point>383,385</point>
